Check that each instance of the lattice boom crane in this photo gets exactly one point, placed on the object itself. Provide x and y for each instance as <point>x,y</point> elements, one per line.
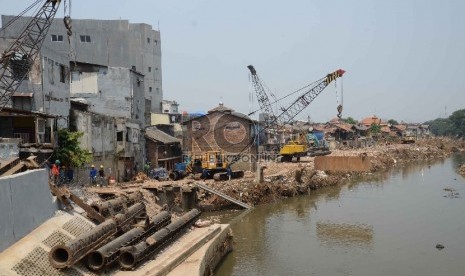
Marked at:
<point>298,105</point>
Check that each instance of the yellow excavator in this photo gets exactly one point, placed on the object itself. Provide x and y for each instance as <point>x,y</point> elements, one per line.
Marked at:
<point>210,164</point>
<point>307,143</point>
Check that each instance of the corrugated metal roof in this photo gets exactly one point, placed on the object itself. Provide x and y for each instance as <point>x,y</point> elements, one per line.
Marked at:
<point>345,127</point>
<point>400,127</point>
<point>361,127</point>
<point>159,136</point>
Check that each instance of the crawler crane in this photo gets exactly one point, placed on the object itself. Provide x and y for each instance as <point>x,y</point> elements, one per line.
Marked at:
<point>299,147</point>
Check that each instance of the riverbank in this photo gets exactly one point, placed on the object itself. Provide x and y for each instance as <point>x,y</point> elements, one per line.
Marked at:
<point>284,180</point>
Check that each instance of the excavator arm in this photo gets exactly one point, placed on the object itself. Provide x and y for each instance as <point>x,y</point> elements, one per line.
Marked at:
<point>16,61</point>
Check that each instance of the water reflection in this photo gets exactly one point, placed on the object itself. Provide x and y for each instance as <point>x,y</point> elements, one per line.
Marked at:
<point>458,160</point>
<point>345,235</point>
<point>332,231</point>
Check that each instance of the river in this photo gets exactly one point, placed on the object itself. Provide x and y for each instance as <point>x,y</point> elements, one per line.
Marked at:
<point>389,225</point>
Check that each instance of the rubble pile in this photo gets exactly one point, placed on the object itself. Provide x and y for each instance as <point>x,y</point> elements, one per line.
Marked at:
<point>283,180</point>
<point>290,179</point>
<point>462,170</point>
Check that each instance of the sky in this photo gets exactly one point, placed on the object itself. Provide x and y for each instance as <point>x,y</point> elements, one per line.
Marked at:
<point>403,58</point>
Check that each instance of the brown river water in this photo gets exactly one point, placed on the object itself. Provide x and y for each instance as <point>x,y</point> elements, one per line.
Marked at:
<point>388,225</point>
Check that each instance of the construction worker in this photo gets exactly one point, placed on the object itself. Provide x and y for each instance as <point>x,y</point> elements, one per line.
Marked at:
<point>62,176</point>
<point>93,175</point>
<point>101,174</point>
<point>56,171</point>
<point>229,172</point>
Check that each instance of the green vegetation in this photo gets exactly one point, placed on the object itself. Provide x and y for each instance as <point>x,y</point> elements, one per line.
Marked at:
<point>375,128</point>
<point>393,122</point>
<point>349,120</point>
<point>454,125</point>
<point>69,151</point>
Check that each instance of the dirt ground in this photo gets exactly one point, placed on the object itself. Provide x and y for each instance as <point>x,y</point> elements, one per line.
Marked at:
<point>283,180</point>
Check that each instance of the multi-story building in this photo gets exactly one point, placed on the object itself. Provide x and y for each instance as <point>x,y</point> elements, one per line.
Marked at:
<point>112,43</point>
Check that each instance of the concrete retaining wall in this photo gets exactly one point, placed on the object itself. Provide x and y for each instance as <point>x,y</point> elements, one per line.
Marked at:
<point>25,203</point>
<point>342,163</point>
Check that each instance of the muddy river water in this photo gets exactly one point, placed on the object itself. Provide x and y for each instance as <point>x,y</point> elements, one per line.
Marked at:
<point>389,225</point>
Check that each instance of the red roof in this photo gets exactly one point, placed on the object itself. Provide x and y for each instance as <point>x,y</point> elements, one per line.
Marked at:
<point>368,121</point>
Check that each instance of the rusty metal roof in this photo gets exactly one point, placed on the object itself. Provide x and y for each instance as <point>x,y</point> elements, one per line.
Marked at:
<point>157,135</point>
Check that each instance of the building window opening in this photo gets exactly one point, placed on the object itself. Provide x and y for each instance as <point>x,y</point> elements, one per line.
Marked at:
<point>150,69</point>
<point>150,89</point>
<point>148,39</point>
<point>57,38</point>
<point>119,136</point>
<point>85,38</point>
<point>62,73</point>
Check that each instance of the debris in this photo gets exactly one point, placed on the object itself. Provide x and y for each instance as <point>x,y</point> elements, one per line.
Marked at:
<point>440,246</point>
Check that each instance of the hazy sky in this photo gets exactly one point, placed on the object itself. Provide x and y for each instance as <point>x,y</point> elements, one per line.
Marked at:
<point>404,59</point>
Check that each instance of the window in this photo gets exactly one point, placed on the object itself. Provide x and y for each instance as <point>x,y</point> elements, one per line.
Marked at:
<point>119,136</point>
<point>158,90</point>
<point>150,69</point>
<point>150,89</point>
<point>85,38</point>
<point>62,73</point>
<point>75,76</point>
<point>155,42</point>
<point>57,38</point>
<point>148,39</point>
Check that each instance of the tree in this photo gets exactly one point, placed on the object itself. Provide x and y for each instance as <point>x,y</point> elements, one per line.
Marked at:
<point>393,122</point>
<point>454,125</point>
<point>349,120</point>
<point>457,120</point>
<point>375,128</point>
<point>440,127</point>
<point>70,152</point>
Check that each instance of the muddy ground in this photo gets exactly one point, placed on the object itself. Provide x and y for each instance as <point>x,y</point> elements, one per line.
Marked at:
<point>283,180</point>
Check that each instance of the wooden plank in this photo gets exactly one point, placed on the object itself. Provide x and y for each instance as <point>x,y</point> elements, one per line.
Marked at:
<point>218,193</point>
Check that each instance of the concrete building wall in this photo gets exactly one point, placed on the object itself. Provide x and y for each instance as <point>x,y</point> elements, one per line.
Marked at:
<point>112,91</point>
<point>115,143</point>
<point>170,107</point>
<point>48,81</point>
<point>114,43</point>
<point>26,202</point>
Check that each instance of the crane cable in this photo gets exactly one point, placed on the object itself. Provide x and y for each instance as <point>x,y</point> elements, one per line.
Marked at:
<point>290,94</point>
<point>69,30</point>
<point>340,105</point>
